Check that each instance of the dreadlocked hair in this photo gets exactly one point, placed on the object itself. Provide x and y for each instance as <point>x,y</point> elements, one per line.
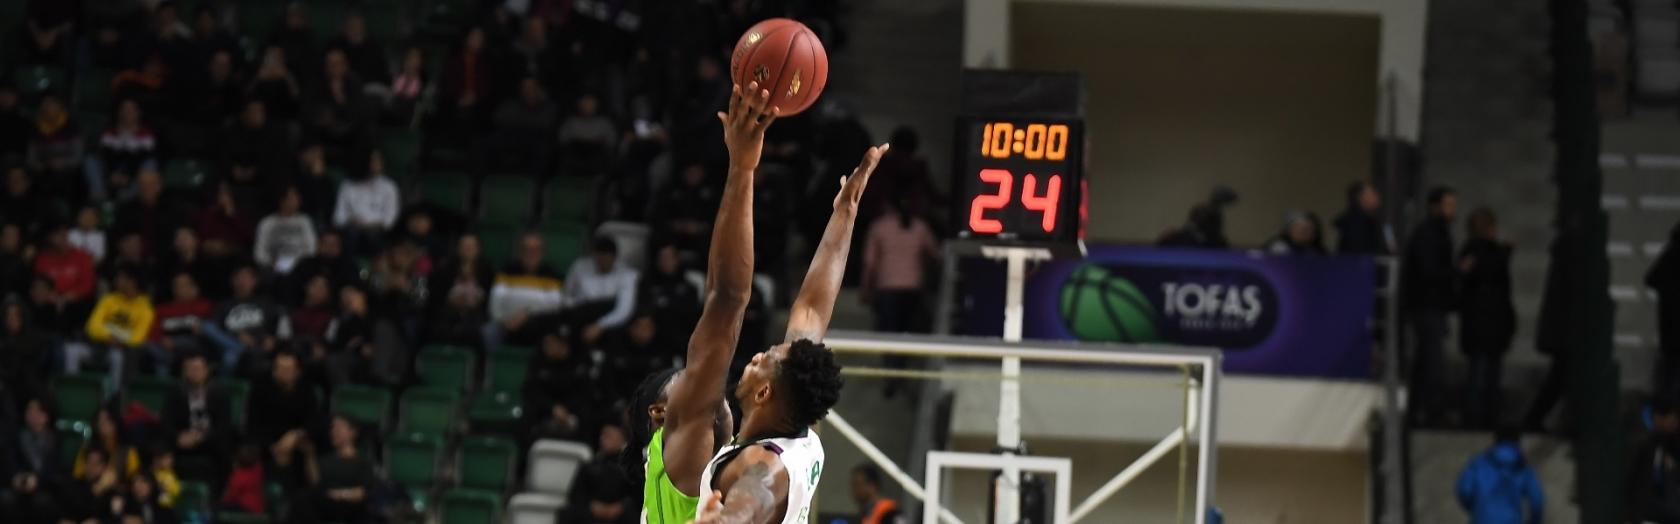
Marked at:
<point>641,427</point>
<point>810,373</point>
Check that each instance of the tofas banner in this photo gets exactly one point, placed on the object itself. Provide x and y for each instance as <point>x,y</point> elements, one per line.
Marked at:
<point>1275,315</point>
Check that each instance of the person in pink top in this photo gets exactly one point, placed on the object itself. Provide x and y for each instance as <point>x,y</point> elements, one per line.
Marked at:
<point>896,250</point>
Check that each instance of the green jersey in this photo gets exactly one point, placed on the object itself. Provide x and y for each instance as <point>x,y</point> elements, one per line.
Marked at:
<point>662,503</point>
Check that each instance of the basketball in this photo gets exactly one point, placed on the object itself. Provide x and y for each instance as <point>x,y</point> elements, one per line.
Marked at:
<point>1099,307</point>
<point>784,57</point>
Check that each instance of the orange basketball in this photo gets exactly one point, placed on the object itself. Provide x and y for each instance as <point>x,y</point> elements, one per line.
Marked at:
<point>785,57</point>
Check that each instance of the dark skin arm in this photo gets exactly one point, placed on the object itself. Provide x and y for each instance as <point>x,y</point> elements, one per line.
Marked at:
<point>752,489</point>
<point>808,318</point>
<point>694,395</point>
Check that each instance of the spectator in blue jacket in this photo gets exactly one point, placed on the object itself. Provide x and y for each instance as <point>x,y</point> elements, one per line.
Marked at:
<point>1495,485</point>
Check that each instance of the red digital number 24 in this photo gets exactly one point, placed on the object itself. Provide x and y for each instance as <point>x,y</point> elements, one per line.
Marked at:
<point>1045,203</point>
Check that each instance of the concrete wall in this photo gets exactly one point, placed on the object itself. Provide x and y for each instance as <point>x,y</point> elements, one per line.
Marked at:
<point>1278,105</point>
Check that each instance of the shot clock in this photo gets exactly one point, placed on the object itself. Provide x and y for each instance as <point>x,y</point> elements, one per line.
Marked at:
<point>1020,179</point>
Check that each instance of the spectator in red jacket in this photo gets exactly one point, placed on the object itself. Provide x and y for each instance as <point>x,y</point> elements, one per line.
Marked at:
<point>70,271</point>
<point>175,328</point>
<point>244,491</point>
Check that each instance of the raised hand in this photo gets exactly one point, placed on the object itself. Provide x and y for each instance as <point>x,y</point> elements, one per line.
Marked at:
<point>750,113</point>
<point>851,186</point>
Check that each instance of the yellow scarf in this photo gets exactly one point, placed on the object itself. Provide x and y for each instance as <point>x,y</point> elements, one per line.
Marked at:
<point>51,124</point>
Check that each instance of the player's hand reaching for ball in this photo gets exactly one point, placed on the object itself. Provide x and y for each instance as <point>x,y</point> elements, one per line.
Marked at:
<point>851,187</point>
<point>750,113</point>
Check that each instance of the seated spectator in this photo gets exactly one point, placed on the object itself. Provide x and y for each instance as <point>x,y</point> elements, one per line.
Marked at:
<point>523,127</point>
<point>600,292</point>
<point>26,350</point>
<point>315,184</point>
<point>286,236</point>
<point>122,321</point>
<point>337,112</point>
<point>54,315</point>
<point>297,38</point>
<point>131,252</point>
<point>366,57</point>
<point>109,440</point>
<point>255,139</point>
<point>667,295</point>
<point>198,418</point>
<point>459,288</point>
<point>1300,236</point>
<point>87,236</point>
<point>1653,478</point>
<point>1497,485</point>
<point>285,411</point>
<point>418,229</point>
<point>208,103</point>
<point>683,214</point>
<point>55,151</point>
<point>14,125</point>
<point>329,261</point>
<point>186,257</point>
<point>347,478</point>
<point>406,88</point>
<point>140,504</point>
<point>873,506</point>
<point>588,137</point>
<point>398,282</point>
<point>163,471</point>
<point>254,190</point>
<point>350,346</point>
<point>311,319</point>
<point>633,353</point>
<point>15,260</point>
<point>247,322</point>
<point>33,494</point>
<point>150,213</point>
<point>245,486</point>
<point>227,232</point>
<point>22,203</point>
<point>368,204</point>
<point>466,86</point>
<point>1206,226</point>
<point>525,300</point>
<point>88,497</point>
<point>601,494</point>
<point>178,327</point>
<point>558,392</point>
<point>275,87</point>
<point>124,148</point>
<point>146,83</point>
<point>70,270</point>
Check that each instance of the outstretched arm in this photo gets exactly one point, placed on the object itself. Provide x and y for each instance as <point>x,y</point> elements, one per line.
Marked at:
<point>808,318</point>
<point>752,489</point>
<point>695,394</point>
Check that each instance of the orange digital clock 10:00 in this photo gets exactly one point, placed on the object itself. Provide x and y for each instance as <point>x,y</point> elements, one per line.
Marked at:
<point>1020,179</point>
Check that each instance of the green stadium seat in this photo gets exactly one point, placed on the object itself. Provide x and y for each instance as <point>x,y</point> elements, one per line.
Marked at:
<point>93,90</point>
<point>240,517</point>
<point>494,411</point>
<point>445,367</point>
<point>487,463</point>
<point>506,199</point>
<point>275,492</point>
<point>185,172</point>
<point>401,147</point>
<point>363,405</point>
<point>504,368</point>
<point>448,190</point>
<point>39,79</point>
<point>497,243</point>
<point>566,199</point>
<point>77,397</point>
<point>563,244</point>
<point>411,461</point>
<point>151,392</point>
<point>239,392</point>
<point>193,505</point>
<point>468,506</point>
<point>72,434</point>
<point>429,410</point>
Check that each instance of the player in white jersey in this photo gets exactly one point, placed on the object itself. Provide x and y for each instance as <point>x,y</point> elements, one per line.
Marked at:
<point>768,474</point>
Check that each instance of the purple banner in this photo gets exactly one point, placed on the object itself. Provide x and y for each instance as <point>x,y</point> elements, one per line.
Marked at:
<point>1294,315</point>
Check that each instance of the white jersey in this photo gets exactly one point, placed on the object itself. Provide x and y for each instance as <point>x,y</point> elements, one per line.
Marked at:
<point>801,456</point>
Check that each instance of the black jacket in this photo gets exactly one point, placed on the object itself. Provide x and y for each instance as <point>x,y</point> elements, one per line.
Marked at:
<point>1428,279</point>
<point>1487,317</point>
<point>1359,233</point>
<point>1664,277</point>
<point>218,407</point>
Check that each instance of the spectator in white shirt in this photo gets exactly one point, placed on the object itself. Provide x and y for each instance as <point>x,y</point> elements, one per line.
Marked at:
<point>600,292</point>
<point>87,236</point>
<point>367,207</point>
<point>286,236</point>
